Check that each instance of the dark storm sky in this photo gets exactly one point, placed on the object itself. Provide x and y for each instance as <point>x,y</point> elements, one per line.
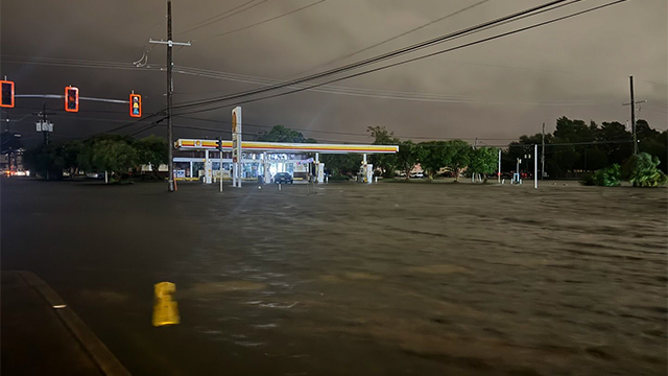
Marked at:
<point>578,67</point>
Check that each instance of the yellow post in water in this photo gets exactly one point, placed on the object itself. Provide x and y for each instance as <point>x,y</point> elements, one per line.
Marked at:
<point>165,309</point>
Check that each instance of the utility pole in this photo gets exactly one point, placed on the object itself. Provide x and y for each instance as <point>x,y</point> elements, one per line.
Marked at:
<point>45,127</point>
<point>542,156</point>
<point>633,115</point>
<point>170,91</point>
<point>45,121</point>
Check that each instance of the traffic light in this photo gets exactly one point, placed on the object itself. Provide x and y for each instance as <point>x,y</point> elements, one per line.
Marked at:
<point>135,105</point>
<point>71,99</point>
<point>7,94</point>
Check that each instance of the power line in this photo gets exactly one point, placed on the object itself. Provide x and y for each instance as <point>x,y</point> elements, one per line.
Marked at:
<point>222,16</point>
<point>337,133</point>
<point>267,20</point>
<point>381,94</point>
<point>371,60</point>
<point>449,15</point>
<point>339,90</point>
<point>498,36</point>
<point>516,144</point>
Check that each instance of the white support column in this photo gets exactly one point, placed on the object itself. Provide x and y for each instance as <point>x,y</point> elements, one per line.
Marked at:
<point>364,158</point>
<point>266,166</point>
<point>317,157</point>
<point>191,169</point>
<point>207,168</point>
<point>535,166</point>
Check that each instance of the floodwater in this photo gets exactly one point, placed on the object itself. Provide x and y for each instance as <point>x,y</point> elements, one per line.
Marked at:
<point>387,279</point>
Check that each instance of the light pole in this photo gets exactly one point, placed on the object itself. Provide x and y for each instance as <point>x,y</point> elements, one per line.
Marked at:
<point>527,157</point>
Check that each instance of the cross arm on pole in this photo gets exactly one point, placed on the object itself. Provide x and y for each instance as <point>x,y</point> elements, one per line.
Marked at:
<point>170,43</point>
<point>636,102</point>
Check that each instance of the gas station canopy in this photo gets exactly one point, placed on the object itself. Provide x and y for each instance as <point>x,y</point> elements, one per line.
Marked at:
<point>284,147</point>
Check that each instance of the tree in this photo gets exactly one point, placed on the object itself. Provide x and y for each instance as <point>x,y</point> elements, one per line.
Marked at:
<point>484,161</point>
<point>115,153</point>
<point>280,133</point>
<point>653,142</point>
<point>458,156</point>
<point>153,150</point>
<point>116,156</point>
<point>339,165</point>
<point>46,160</point>
<point>611,135</point>
<point>70,156</point>
<point>407,157</point>
<point>642,171</point>
<point>595,158</point>
<point>432,155</point>
<point>385,162</point>
<point>606,177</point>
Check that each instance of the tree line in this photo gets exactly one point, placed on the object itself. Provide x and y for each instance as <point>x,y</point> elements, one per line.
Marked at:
<point>574,146</point>
<point>117,154</point>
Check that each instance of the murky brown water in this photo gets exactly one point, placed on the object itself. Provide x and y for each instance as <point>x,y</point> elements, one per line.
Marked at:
<point>357,280</point>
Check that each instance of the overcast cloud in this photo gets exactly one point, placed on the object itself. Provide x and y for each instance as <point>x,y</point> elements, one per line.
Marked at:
<point>578,68</point>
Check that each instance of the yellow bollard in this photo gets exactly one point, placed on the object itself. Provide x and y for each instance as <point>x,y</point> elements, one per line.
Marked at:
<point>165,310</point>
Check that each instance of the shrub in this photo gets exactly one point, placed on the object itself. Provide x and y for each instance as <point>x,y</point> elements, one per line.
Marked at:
<point>642,171</point>
<point>587,179</point>
<point>610,176</point>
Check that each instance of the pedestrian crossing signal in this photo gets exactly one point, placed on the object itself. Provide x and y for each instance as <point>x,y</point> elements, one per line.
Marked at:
<point>135,105</point>
<point>7,94</point>
<point>71,99</point>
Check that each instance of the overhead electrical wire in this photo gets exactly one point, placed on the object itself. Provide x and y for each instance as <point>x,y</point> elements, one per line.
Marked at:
<point>366,62</point>
<point>445,17</point>
<point>501,35</point>
<point>222,16</point>
<point>371,60</point>
<point>264,21</point>
<point>382,94</point>
<point>332,132</point>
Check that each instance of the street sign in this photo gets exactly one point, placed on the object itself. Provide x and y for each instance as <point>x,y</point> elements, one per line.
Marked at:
<point>71,99</point>
<point>44,126</point>
<point>7,94</point>
<point>135,105</point>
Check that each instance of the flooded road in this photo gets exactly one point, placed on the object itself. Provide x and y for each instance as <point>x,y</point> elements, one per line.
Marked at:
<point>387,279</point>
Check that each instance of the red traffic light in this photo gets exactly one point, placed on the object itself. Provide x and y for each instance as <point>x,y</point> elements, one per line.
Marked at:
<point>71,99</point>
<point>7,94</point>
<point>135,105</point>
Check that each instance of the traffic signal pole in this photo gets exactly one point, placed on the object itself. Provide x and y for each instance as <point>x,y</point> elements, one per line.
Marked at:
<point>170,91</point>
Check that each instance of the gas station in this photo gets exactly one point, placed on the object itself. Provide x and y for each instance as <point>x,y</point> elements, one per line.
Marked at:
<point>260,161</point>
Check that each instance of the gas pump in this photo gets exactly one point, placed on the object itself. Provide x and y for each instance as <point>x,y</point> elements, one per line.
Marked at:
<point>365,174</point>
<point>368,177</point>
<point>320,172</point>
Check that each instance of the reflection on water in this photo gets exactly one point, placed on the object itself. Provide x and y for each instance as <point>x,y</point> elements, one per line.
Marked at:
<point>380,280</point>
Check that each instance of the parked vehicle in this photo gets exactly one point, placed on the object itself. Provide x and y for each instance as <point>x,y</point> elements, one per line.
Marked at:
<point>417,175</point>
<point>283,178</point>
<point>95,175</point>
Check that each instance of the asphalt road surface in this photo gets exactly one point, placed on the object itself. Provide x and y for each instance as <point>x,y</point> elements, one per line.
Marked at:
<point>386,279</point>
